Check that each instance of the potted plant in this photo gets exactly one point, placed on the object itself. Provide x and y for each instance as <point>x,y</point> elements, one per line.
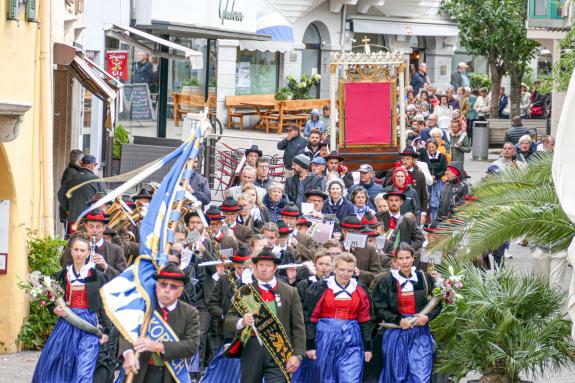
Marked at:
<point>299,89</point>
<point>283,94</point>
<point>121,136</point>
<point>505,326</point>
<point>188,87</point>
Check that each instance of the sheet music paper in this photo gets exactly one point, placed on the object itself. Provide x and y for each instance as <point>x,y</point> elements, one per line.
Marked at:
<point>306,208</point>
<point>355,240</point>
<point>322,232</point>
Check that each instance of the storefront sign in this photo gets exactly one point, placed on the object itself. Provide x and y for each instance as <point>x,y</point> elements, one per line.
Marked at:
<point>227,11</point>
<point>117,64</point>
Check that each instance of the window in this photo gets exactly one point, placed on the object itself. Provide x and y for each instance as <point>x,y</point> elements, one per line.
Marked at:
<point>539,8</point>
<point>257,72</point>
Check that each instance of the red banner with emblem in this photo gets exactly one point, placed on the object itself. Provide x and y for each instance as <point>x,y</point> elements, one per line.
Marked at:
<point>117,64</point>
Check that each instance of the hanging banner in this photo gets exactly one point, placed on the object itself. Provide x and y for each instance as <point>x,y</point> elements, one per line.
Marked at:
<point>117,64</point>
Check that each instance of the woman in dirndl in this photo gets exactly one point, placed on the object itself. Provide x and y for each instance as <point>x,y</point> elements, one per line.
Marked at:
<point>339,324</point>
<point>398,299</point>
<point>70,354</point>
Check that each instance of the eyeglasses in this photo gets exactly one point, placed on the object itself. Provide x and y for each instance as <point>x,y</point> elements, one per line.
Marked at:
<point>172,286</point>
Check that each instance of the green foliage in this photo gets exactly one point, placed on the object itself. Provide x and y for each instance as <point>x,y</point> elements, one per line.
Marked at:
<point>562,69</point>
<point>120,137</point>
<point>299,89</point>
<point>191,82</point>
<point>505,325</point>
<point>479,80</point>
<point>282,94</point>
<point>514,203</point>
<point>44,256</point>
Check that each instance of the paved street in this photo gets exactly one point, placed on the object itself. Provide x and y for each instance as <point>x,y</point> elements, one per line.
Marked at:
<point>20,367</point>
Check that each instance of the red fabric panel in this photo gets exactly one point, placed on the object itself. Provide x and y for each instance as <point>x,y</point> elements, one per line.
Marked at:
<point>364,313</point>
<point>368,113</point>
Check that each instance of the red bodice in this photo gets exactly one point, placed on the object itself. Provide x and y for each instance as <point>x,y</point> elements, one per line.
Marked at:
<point>406,302</point>
<point>76,296</point>
<point>344,309</point>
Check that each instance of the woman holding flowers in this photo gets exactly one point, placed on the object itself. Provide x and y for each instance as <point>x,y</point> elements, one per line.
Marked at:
<point>398,299</point>
<point>70,354</point>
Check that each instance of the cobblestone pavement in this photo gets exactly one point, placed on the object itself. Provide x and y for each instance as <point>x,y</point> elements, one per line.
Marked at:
<point>19,367</point>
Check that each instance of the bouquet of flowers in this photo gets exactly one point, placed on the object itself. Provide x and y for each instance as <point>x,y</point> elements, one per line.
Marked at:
<point>298,89</point>
<point>44,290</point>
<point>446,288</point>
<point>41,288</point>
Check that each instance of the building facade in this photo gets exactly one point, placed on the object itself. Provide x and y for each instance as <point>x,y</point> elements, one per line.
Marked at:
<point>26,195</point>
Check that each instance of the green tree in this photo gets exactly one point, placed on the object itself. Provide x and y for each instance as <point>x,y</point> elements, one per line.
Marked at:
<point>495,29</point>
<point>563,69</point>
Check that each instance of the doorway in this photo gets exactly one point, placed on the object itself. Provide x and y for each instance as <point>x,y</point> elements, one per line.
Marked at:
<point>311,56</point>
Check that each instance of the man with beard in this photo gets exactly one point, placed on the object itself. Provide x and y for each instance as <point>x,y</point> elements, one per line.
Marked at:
<point>334,163</point>
<point>302,181</point>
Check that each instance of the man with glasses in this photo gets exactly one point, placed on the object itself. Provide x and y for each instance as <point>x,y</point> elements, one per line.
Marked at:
<point>230,209</point>
<point>263,179</point>
<point>184,320</point>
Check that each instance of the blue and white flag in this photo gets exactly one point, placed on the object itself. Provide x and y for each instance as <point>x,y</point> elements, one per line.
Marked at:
<point>130,297</point>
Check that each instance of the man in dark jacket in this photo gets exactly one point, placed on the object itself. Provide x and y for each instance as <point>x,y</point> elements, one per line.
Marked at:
<point>71,170</point>
<point>292,145</point>
<point>516,131</point>
<point>313,145</point>
<point>77,203</point>
<point>406,229</point>
<point>454,192</point>
<point>409,161</point>
<point>420,78</point>
<point>367,180</point>
<point>302,181</point>
<point>200,188</point>
<point>334,163</point>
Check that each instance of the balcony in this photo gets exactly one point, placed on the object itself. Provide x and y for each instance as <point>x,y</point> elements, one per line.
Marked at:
<point>550,14</point>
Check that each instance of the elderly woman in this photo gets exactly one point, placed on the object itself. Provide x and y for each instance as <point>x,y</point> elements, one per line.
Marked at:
<point>398,298</point>
<point>401,180</point>
<point>275,200</point>
<point>245,216</point>
<point>525,148</point>
<point>359,198</point>
<point>380,203</point>
<point>339,324</point>
<point>336,204</point>
<point>443,112</point>
<point>437,135</point>
<point>258,210</point>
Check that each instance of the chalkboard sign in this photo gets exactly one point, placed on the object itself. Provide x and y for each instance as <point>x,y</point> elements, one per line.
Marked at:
<point>139,102</point>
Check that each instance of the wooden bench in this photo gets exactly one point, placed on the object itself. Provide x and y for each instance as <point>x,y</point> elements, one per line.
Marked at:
<point>186,103</point>
<point>498,128</point>
<point>293,112</point>
<point>237,108</point>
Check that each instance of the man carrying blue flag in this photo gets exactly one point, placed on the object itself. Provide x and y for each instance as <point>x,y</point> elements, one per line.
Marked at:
<point>183,319</point>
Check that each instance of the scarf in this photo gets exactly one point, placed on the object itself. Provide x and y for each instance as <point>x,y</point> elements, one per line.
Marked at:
<point>339,291</point>
<point>406,283</point>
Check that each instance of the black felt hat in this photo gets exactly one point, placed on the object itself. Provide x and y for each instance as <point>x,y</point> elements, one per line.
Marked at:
<point>317,192</point>
<point>230,205</point>
<point>143,193</point>
<point>283,228</point>
<point>351,222</point>
<point>395,192</point>
<point>172,271</point>
<point>214,214</point>
<point>254,149</point>
<point>291,210</point>
<point>409,151</point>
<point>266,255</point>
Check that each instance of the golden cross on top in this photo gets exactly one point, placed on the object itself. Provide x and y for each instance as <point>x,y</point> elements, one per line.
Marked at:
<point>365,40</point>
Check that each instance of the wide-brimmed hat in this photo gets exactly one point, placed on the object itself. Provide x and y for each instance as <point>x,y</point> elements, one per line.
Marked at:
<point>333,155</point>
<point>266,255</point>
<point>351,222</point>
<point>283,228</point>
<point>172,271</point>
<point>370,232</point>
<point>110,232</point>
<point>143,193</point>
<point>395,192</point>
<point>214,214</point>
<point>303,221</point>
<point>96,216</point>
<point>243,255</point>
<point>254,149</point>
<point>409,151</point>
<point>369,219</point>
<point>291,210</point>
<point>316,191</point>
<point>230,205</point>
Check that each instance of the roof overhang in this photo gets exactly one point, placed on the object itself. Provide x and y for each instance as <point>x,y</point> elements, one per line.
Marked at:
<point>403,27</point>
<point>188,30</point>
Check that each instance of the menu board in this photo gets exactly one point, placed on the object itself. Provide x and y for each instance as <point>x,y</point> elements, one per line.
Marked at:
<point>139,102</point>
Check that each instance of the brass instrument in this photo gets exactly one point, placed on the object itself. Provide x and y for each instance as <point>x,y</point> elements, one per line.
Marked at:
<point>121,216</point>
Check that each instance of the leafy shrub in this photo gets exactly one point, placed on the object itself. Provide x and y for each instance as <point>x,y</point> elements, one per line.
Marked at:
<point>44,256</point>
<point>479,80</point>
<point>283,94</point>
<point>120,137</point>
<point>299,89</point>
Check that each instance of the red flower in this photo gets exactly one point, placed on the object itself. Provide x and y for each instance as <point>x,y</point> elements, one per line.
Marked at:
<point>49,294</point>
<point>42,303</point>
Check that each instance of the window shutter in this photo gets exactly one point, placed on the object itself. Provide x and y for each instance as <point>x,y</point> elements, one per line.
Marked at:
<point>32,10</point>
<point>13,10</point>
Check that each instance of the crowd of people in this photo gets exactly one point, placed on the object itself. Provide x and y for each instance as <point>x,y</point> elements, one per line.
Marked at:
<point>327,293</point>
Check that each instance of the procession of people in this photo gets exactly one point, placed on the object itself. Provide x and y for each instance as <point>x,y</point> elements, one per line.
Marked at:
<point>284,280</point>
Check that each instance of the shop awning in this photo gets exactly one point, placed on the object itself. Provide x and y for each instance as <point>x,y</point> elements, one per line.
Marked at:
<point>197,31</point>
<point>85,72</point>
<point>141,39</point>
<point>275,25</point>
<point>270,46</point>
<point>404,28</point>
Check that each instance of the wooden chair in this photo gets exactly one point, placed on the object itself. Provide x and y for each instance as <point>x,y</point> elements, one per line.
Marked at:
<point>237,110</point>
<point>290,112</point>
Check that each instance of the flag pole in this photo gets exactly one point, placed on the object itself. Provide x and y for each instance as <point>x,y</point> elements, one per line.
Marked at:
<point>148,318</point>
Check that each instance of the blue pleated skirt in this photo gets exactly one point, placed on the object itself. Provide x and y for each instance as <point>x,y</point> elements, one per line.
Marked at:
<point>70,354</point>
<point>222,369</point>
<point>407,356</point>
<point>339,351</point>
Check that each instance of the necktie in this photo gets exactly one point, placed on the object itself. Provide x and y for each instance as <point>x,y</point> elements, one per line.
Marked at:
<point>267,286</point>
<point>394,220</point>
<point>165,313</point>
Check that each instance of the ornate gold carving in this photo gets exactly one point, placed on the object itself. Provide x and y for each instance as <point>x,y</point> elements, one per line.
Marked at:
<point>368,72</point>
<point>402,68</point>
<point>332,68</point>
